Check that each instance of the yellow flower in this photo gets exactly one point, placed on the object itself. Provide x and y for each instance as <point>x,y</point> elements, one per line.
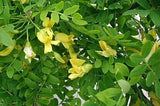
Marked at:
<point>153,50</point>
<point>45,36</point>
<point>106,50</point>
<point>48,23</point>
<point>78,69</point>
<point>66,40</point>
<point>29,53</point>
<point>153,33</point>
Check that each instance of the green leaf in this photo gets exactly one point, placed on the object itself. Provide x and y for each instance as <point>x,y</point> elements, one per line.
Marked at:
<point>71,10</point>
<point>43,15</point>
<point>116,5</point>
<point>20,85</point>
<point>58,57</point>
<point>64,17</point>
<point>138,70</point>
<point>105,96</point>
<point>98,63</point>
<point>59,6</point>
<point>79,22</point>
<point>125,86</point>
<point>31,84</point>
<point>146,48</point>
<point>155,16</point>
<point>5,38</point>
<point>157,86</point>
<point>149,78</point>
<point>77,16</point>
<point>55,17</point>
<point>142,13</point>
<point>136,58</point>
<point>46,70</point>
<point>43,101</point>
<point>17,65</point>
<point>10,72</point>
<point>34,77</point>
<point>53,80</point>
<point>1,6</point>
<point>27,8</point>
<point>121,68</point>
<point>134,80</point>
<point>144,4</point>
<point>105,67</point>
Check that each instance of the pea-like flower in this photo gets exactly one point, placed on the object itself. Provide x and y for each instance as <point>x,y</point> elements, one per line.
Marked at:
<point>106,50</point>
<point>48,23</point>
<point>29,53</point>
<point>45,36</point>
<point>65,39</point>
<point>78,69</point>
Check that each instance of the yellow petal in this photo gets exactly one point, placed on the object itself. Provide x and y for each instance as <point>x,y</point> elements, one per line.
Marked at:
<point>72,52</point>
<point>48,23</point>
<point>74,76</point>
<point>153,33</point>
<point>77,62</point>
<point>47,48</point>
<point>64,37</point>
<point>104,45</point>
<point>55,42</point>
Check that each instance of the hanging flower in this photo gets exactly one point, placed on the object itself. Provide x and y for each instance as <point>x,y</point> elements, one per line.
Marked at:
<point>66,40</point>
<point>29,53</point>
<point>78,69</point>
<point>106,50</point>
<point>153,50</point>
<point>45,36</point>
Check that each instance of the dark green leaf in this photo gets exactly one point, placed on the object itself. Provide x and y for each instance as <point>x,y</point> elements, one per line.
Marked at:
<point>116,5</point>
<point>155,16</point>
<point>144,4</point>
<point>157,86</point>
<point>17,65</point>
<point>31,84</point>
<point>136,58</point>
<point>146,48</point>
<point>46,70</point>
<point>53,80</point>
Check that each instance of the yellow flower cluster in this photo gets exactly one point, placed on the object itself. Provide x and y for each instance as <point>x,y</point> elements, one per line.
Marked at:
<point>78,67</point>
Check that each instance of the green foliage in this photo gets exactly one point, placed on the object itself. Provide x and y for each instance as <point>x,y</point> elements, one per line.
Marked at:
<point>56,62</point>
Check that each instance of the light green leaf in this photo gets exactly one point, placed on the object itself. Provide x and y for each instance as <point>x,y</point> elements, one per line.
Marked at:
<point>64,17</point>
<point>98,63</point>
<point>77,16</point>
<point>136,58</point>
<point>5,38</point>
<point>79,22</point>
<point>43,15</point>
<point>27,8</point>
<point>59,6</point>
<point>10,72</point>
<point>1,6</point>
<point>138,70</point>
<point>55,17</point>
<point>125,86</point>
<point>43,101</point>
<point>121,68</point>
<point>149,78</point>
<point>71,10</point>
<point>34,77</point>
